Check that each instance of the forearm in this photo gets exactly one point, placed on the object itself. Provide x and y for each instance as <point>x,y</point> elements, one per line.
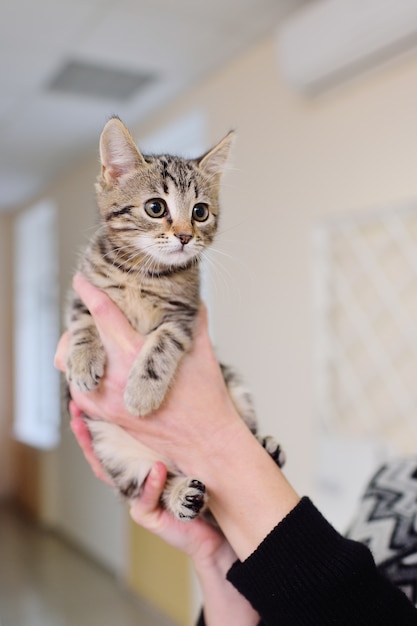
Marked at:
<point>223,604</point>
<point>249,494</point>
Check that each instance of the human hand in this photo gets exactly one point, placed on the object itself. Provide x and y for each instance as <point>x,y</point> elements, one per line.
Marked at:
<point>211,554</point>
<point>198,539</point>
<point>197,413</point>
<point>197,427</point>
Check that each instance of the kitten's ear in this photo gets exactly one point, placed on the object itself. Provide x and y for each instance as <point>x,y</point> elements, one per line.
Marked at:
<point>118,152</point>
<point>214,160</point>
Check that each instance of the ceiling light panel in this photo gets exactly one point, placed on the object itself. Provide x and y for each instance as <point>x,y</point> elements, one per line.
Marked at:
<point>81,78</point>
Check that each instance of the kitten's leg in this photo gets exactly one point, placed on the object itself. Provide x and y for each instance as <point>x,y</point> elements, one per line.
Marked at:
<point>128,462</point>
<point>86,357</point>
<point>184,497</point>
<point>240,396</point>
<point>125,460</point>
<point>273,448</point>
<point>243,402</point>
<point>155,366</point>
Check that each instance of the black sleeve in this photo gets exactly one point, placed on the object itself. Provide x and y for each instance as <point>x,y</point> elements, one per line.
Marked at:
<point>201,621</point>
<point>305,573</point>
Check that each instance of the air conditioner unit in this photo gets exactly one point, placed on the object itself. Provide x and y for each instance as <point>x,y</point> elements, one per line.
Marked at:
<point>328,41</point>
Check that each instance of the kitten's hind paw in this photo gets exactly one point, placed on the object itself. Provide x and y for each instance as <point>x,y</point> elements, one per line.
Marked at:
<point>186,498</point>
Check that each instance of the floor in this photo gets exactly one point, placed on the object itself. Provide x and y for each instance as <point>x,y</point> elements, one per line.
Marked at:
<point>45,582</point>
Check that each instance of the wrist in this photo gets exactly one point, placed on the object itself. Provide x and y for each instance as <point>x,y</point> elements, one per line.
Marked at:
<point>249,495</point>
<point>219,560</point>
<point>222,602</point>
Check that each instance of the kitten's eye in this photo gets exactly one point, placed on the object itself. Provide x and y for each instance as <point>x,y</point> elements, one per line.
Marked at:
<point>156,207</point>
<point>200,212</point>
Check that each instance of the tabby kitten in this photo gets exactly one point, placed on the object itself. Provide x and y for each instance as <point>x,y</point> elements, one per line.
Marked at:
<point>157,215</point>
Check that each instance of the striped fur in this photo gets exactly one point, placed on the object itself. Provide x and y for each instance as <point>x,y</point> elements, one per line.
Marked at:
<point>157,215</point>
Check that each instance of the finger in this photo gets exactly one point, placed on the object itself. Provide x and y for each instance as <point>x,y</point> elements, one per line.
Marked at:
<point>110,321</point>
<point>202,321</point>
<point>149,500</point>
<point>83,437</point>
<point>82,399</point>
<point>154,485</point>
<point>202,341</point>
<point>74,409</point>
<point>203,312</point>
<point>61,351</point>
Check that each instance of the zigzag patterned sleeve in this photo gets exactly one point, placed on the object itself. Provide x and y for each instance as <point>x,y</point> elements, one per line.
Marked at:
<point>386,521</point>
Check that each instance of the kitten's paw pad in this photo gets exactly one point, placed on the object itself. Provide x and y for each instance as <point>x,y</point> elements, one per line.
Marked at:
<point>142,399</point>
<point>274,449</point>
<point>85,369</point>
<point>191,500</point>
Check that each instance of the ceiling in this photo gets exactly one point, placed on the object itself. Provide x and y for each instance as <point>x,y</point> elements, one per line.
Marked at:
<point>171,43</point>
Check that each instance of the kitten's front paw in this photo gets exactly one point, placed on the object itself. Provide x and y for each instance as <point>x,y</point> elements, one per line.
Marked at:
<point>142,399</point>
<point>85,368</point>
<point>185,497</point>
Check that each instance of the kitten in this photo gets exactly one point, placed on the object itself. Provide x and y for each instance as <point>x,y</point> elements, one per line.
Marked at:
<point>157,215</point>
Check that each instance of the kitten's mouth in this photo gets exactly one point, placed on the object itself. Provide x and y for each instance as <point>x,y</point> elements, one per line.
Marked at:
<point>183,248</point>
<point>180,255</point>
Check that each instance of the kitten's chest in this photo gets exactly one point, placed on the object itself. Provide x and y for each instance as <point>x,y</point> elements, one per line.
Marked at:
<point>143,311</point>
<point>148,302</point>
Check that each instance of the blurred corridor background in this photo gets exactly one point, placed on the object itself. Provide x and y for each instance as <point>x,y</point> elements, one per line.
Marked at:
<point>312,284</point>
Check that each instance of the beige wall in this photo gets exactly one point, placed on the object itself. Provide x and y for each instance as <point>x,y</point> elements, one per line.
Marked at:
<point>295,161</point>
<point>160,574</point>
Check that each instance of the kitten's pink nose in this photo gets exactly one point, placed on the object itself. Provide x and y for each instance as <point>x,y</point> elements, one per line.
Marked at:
<point>184,238</point>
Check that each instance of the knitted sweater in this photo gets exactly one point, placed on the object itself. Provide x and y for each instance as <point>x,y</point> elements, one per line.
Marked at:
<point>305,573</point>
